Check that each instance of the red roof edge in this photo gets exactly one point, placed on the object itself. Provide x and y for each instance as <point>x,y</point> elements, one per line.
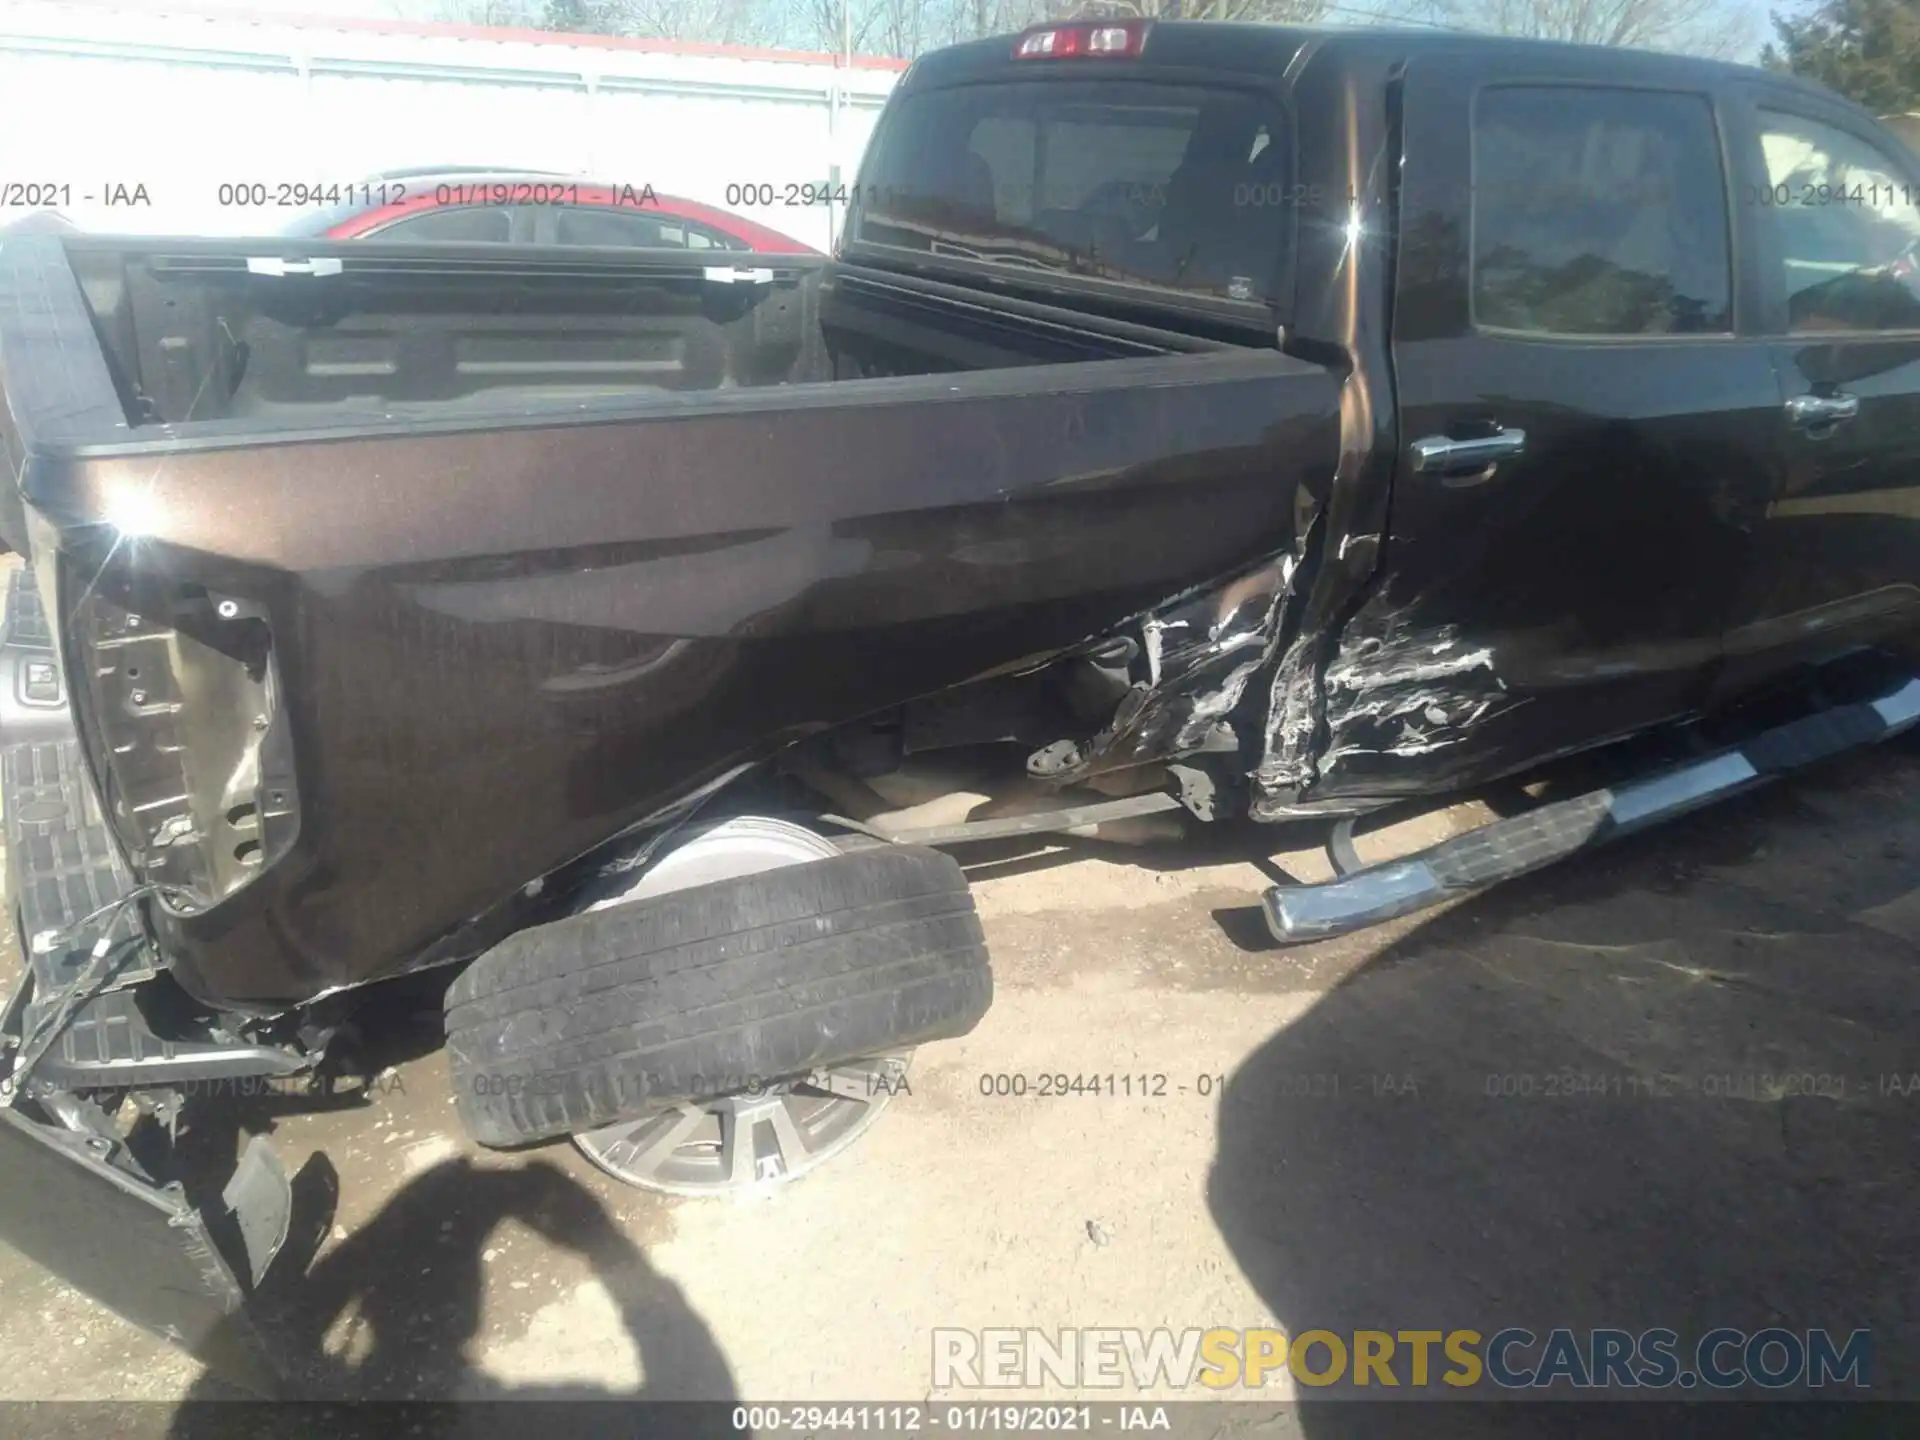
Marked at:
<point>501,35</point>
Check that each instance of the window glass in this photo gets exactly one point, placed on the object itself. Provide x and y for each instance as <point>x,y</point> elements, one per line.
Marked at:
<point>453,225</point>
<point>1170,186</point>
<point>1599,212</point>
<point>1847,221</point>
<point>653,231</point>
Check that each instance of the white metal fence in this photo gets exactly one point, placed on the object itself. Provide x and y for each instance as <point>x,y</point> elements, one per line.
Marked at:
<point>96,100</point>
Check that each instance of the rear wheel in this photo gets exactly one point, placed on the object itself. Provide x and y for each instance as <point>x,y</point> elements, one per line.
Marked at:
<point>709,1147</point>
<point>780,1131</point>
<point>740,1014</point>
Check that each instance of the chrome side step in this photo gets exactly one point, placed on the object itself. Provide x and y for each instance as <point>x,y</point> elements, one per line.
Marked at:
<point>1515,846</point>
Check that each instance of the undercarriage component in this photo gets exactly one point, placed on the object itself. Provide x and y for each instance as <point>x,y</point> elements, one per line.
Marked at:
<point>1208,788</point>
<point>1522,843</point>
<point>110,1043</point>
<point>1039,822</point>
<point>1340,852</point>
<point>1011,708</point>
<point>978,795</point>
<point>1199,650</point>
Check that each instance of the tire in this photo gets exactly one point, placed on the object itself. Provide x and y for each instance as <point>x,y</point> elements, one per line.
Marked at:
<point>608,1015</point>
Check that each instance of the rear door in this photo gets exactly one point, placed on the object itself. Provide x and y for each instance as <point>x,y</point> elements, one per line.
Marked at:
<point>1835,205</point>
<point>1588,419</point>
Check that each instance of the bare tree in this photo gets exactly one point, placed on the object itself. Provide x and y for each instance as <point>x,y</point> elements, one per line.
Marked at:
<point>717,22</point>
<point>506,14</point>
<point>1698,27</point>
<point>976,19</point>
<point>724,22</point>
<point>1272,12</point>
<point>864,27</point>
<point>899,28</point>
<point>905,28</point>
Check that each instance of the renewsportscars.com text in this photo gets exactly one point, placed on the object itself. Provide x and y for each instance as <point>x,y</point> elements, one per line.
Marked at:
<point>1512,1358</point>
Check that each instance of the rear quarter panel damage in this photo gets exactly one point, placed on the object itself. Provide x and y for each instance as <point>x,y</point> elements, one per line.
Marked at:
<point>503,647</point>
<point>1198,653</point>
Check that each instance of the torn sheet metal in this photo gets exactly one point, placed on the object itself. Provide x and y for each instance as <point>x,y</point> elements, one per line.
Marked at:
<point>1408,692</point>
<point>1200,650</point>
<point>1293,718</point>
<point>1382,689</point>
<point>1411,698</point>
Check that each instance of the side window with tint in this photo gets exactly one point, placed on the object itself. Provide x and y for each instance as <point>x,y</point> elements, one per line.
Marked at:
<point>464,225</point>
<point>1599,211</point>
<point>1846,219</point>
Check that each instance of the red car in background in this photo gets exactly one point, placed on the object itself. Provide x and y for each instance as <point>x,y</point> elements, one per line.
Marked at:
<point>530,207</point>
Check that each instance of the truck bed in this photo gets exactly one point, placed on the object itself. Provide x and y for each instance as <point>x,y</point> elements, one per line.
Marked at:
<point>386,592</point>
<point>198,333</point>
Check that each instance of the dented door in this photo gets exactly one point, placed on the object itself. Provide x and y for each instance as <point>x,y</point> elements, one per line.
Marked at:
<point>1588,438</point>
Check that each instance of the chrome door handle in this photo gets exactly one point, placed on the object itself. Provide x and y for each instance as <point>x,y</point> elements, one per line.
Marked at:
<point>1443,455</point>
<point>1814,412</point>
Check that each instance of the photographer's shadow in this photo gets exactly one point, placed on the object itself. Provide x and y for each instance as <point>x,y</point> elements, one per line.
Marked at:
<point>1667,1085</point>
<point>395,1310</point>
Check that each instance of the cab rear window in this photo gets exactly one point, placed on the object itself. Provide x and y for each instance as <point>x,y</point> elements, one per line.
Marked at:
<point>1174,187</point>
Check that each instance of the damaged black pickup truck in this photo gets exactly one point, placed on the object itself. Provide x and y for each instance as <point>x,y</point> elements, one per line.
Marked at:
<point>1197,422</point>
